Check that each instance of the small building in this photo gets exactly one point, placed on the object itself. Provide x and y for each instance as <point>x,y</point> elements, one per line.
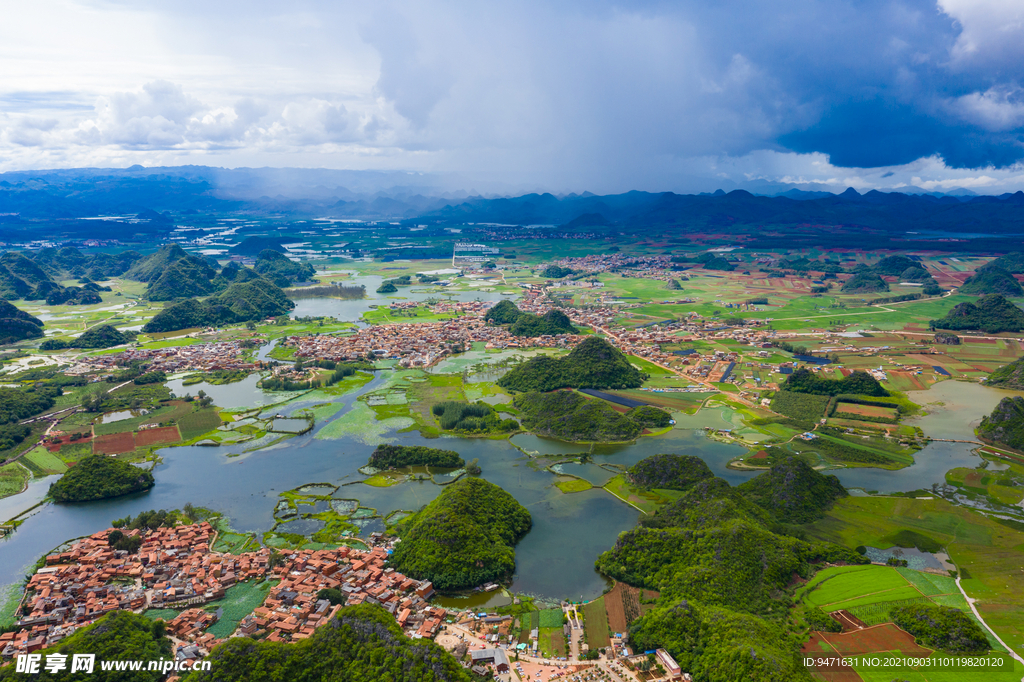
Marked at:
<point>495,656</point>
<point>669,663</point>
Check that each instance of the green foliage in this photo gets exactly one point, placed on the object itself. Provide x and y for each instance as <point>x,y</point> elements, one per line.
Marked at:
<point>103,336</point>
<point>503,312</point>
<point>333,595</point>
<point>715,262</point>
<point>793,492</point>
<point>397,456</point>
<point>464,538</point>
<point>183,278</point>
<point>256,300</point>
<point>894,265</point>
<point>858,383</point>
<point>17,404</point>
<point>154,377</point>
<point>555,272</point>
<point>721,571</point>
<point>280,270</point>
<point>570,416</point>
<point>671,472</point>
<point>594,363</point>
<point>801,406</point>
<point>362,644</point>
<point>991,279</point>
<point>991,314</point>
<point>947,339</point>
<point>1009,376</point>
<point>552,323</point>
<point>820,621</point>
<point>1011,262</point>
<point>98,477</point>
<point>152,519</point>
<point>472,418</point>
<point>273,383</point>
<point>387,288</point>
<point>117,636</point>
<point>1006,423</point>
<point>864,283</point>
<point>650,417</point>
<point>941,627</point>
<point>17,325</point>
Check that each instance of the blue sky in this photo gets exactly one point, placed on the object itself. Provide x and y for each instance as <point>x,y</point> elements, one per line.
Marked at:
<point>563,96</point>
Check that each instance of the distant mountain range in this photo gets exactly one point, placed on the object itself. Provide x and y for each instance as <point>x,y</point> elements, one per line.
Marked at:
<point>151,200</point>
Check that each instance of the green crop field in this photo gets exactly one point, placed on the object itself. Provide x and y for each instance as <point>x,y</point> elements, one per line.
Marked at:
<point>551,618</point>
<point>197,423</point>
<point>843,586</point>
<point>42,462</point>
<point>13,478</point>
<point>595,620</point>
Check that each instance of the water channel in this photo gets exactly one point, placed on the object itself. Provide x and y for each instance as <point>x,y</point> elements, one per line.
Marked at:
<point>554,560</point>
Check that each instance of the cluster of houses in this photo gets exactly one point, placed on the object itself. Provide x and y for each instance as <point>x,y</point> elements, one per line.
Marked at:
<point>175,568</point>
<point>205,357</point>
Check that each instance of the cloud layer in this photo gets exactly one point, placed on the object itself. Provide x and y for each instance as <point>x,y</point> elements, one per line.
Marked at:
<point>606,96</point>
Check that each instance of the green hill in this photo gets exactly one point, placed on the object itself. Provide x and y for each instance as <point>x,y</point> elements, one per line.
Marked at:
<point>98,477</point>
<point>864,283</point>
<point>858,383</point>
<point>19,276</point>
<point>915,274</point>
<point>552,323</point>
<point>503,312</point>
<point>116,636</point>
<point>991,314</point>
<point>941,627</point>
<point>251,246</point>
<point>363,643</point>
<point>282,271</point>
<point>398,456</point>
<point>594,363</point>
<point>464,538</point>
<point>253,300</point>
<point>104,336</point>
<point>569,416</point>
<point>670,472</point>
<point>17,325</point>
<point>793,492</point>
<point>722,574</point>
<point>183,278</point>
<point>152,266</point>
<point>1011,262</point>
<point>991,279</point>
<point>1005,425</point>
<point>1009,376</point>
<point>894,265</point>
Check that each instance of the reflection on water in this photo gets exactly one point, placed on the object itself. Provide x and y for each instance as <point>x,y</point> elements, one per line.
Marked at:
<point>554,560</point>
<point>242,393</point>
<point>120,415</point>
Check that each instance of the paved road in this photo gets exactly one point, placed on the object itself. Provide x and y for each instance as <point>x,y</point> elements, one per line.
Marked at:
<point>970,602</point>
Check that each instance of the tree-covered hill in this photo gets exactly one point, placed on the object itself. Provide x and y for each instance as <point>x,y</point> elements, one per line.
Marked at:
<point>361,644</point>
<point>17,325</point>
<point>864,283</point>
<point>1009,376</point>
<point>103,336</point>
<point>569,416</point>
<point>894,265</point>
<point>149,268</point>
<point>464,538</point>
<point>943,628</point>
<point>97,477</point>
<point>552,323</point>
<point>280,270</point>
<point>722,573</point>
<point>388,456</point>
<point>117,636</point>
<point>991,279</point>
<point>670,472</point>
<point>183,278</point>
<point>1005,425</point>
<point>991,314</point>
<point>793,492</point>
<point>503,312</point>
<point>594,363</point>
<point>858,383</point>
<point>254,300</point>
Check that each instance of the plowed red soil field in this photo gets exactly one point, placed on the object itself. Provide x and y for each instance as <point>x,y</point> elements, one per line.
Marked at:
<point>113,443</point>
<point>885,637</point>
<point>164,434</point>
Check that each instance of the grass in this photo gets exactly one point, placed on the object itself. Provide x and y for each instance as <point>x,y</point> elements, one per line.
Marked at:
<point>646,501</point>
<point>13,478</point>
<point>197,423</point>
<point>232,543</point>
<point>42,463</point>
<point>551,618</point>
<point>986,552</point>
<point>842,586</point>
<point>576,485</point>
<point>552,642</point>
<point>378,481</point>
<point>595,621</point>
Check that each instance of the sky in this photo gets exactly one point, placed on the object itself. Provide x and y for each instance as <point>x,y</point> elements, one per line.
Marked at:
<point>564,96</point>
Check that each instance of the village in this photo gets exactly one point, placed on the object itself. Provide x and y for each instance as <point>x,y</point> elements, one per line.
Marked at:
<point>175,568</point>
